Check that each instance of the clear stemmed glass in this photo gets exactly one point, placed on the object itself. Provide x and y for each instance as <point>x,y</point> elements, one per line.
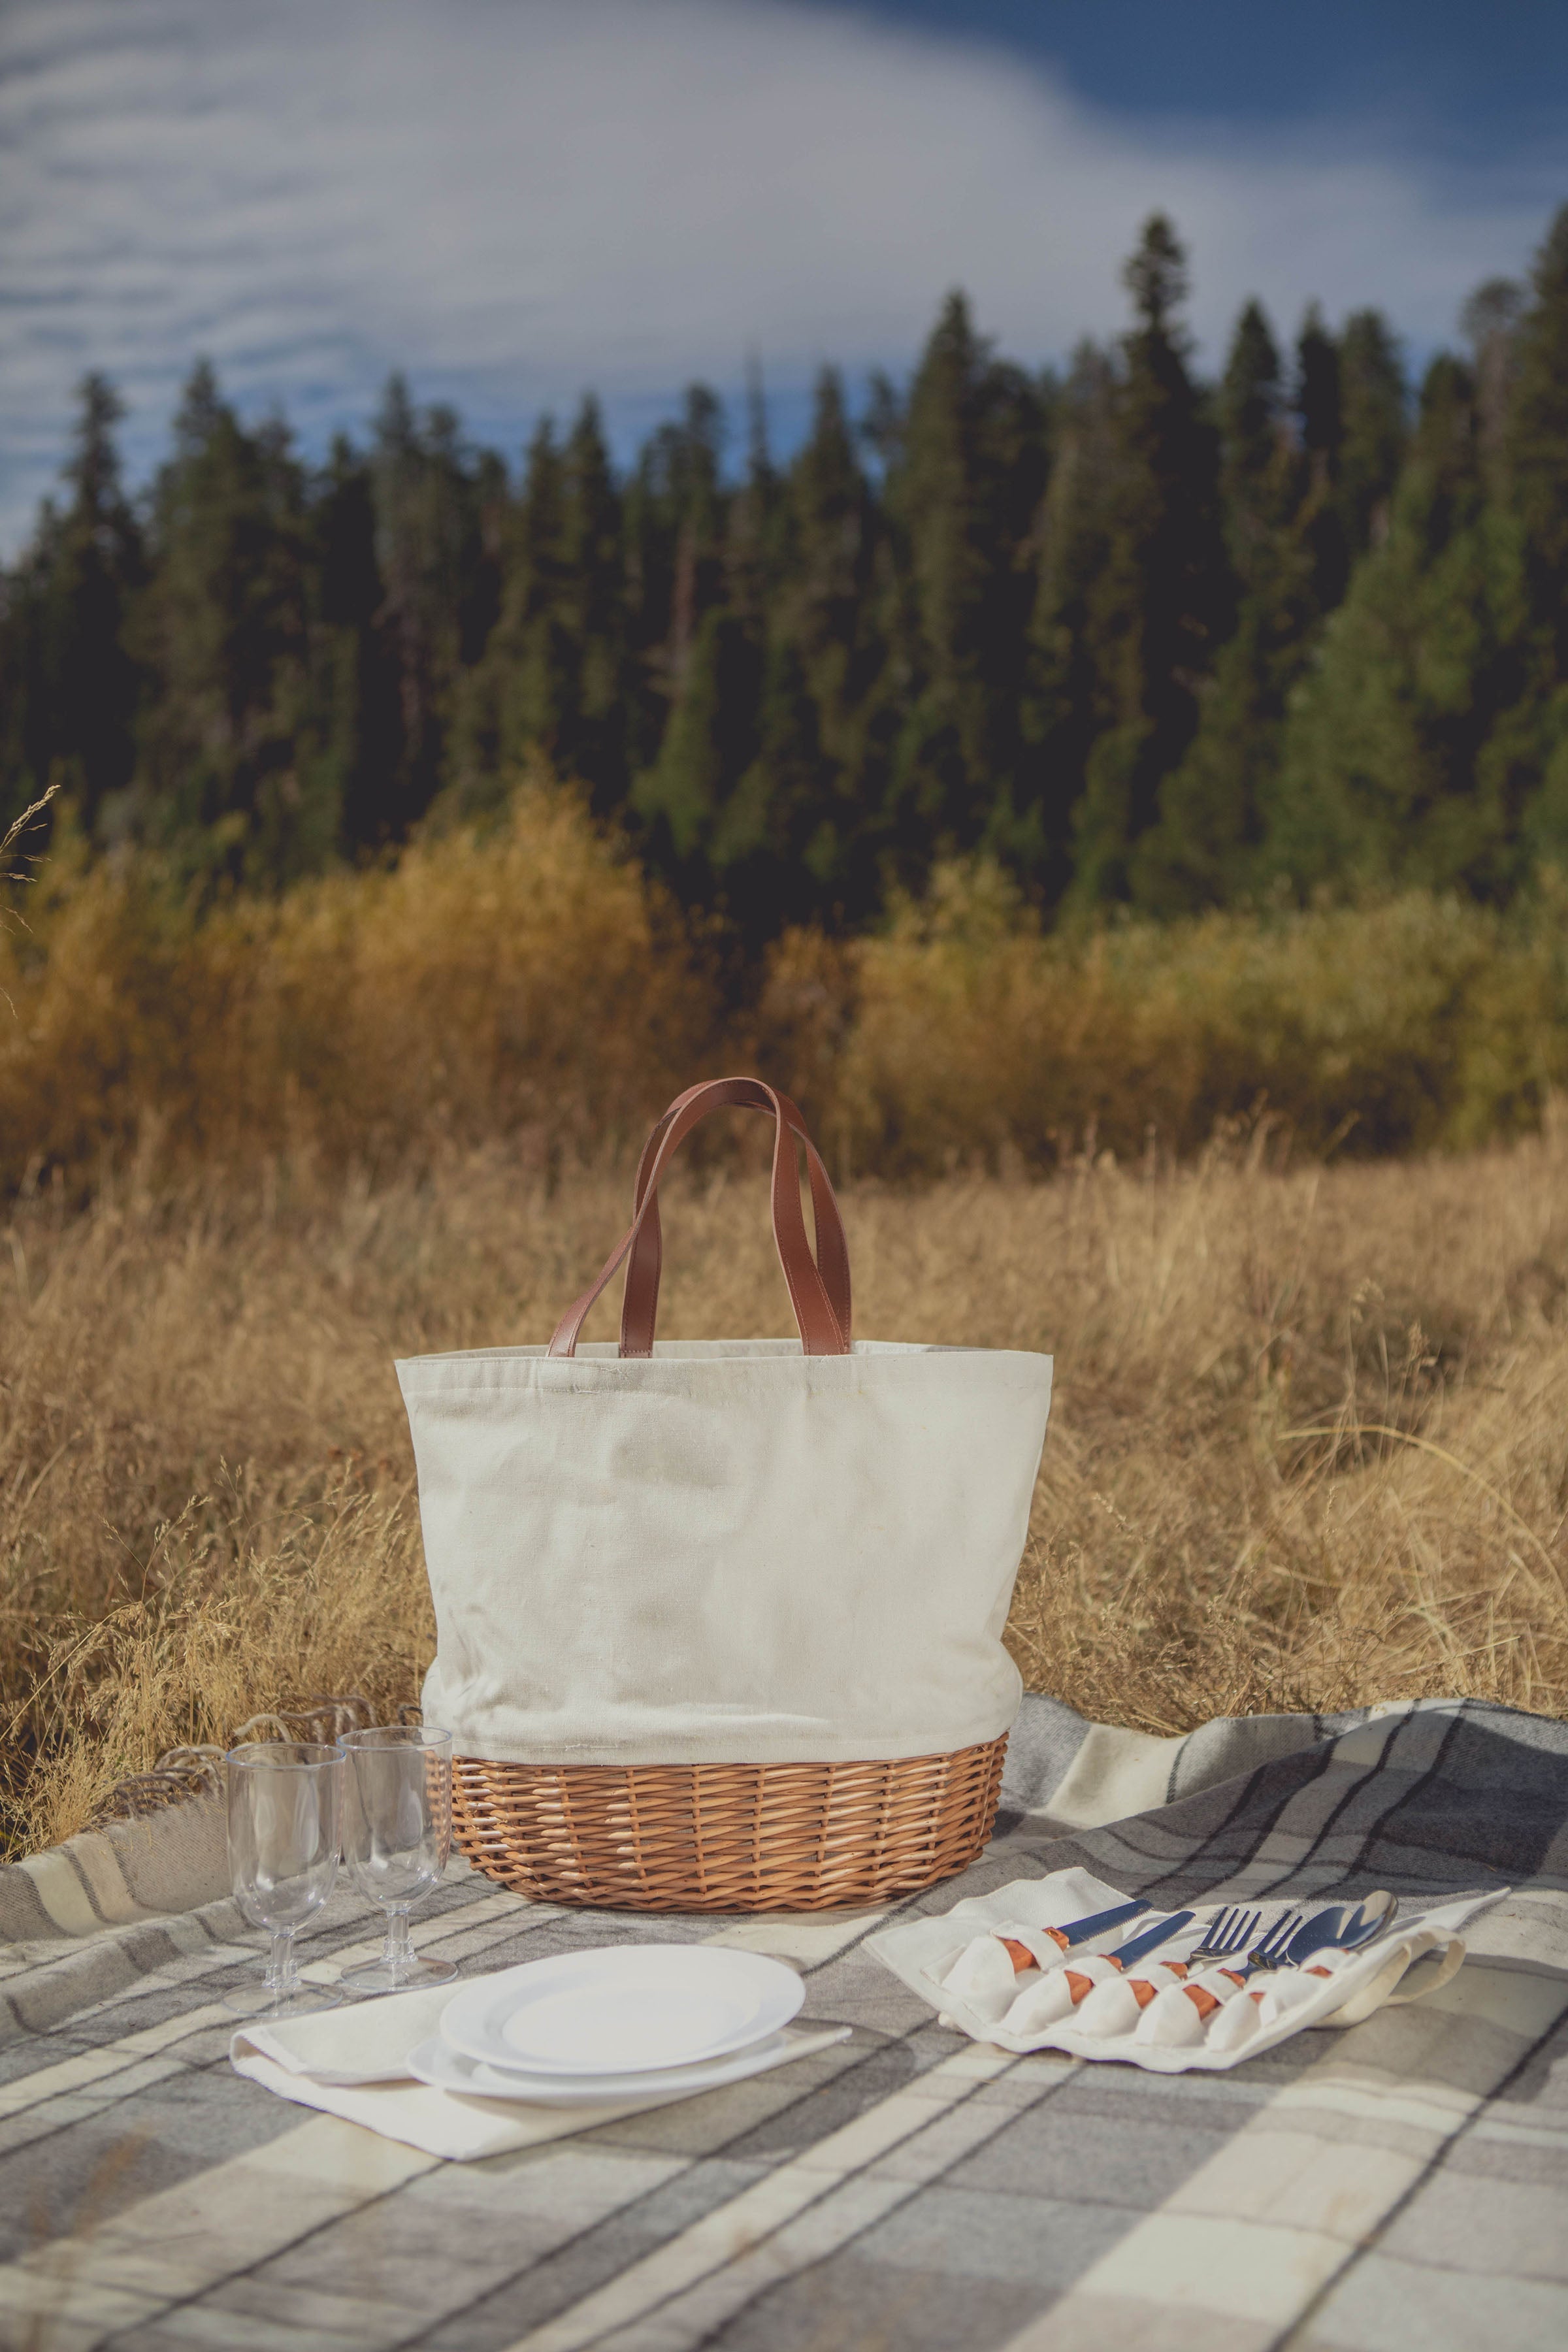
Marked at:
<point>397,1835</point>
<point>285,1806</point>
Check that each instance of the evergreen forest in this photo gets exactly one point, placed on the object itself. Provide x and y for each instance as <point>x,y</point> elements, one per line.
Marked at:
<point>1139,638</point>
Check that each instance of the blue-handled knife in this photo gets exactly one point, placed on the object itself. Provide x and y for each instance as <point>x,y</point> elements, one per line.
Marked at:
<point>1079,1931</point>
<point>1151,1939</point>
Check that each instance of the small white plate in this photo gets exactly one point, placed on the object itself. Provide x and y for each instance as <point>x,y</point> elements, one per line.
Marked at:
<point>436,2062</point>
<point>622,2009</point>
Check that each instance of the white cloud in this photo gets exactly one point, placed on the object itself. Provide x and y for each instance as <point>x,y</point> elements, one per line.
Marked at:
<point>518,198</point>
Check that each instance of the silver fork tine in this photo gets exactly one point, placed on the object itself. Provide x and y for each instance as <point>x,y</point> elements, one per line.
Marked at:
<point>1273,1944</point>
<point>1228,1931</point>
<point>1217,1926</point>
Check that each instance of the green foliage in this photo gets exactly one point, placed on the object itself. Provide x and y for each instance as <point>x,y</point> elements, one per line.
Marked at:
<point>1154,604</point>
<point>1430,745</point>
<point>68,686</point>
<point>1410,1023</point>
<point>962,495</point>
<point>1382,778</point>
<point>230,774</point>
<point>1138,639</point>
<point>439,510</point>
<point>1202,851</point>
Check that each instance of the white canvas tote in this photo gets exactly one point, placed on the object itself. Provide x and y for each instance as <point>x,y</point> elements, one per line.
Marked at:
<point>737,1551</point>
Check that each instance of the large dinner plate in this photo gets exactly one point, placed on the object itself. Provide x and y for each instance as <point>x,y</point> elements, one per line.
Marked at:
<point>622,2009</point>
<point>436,2062</point>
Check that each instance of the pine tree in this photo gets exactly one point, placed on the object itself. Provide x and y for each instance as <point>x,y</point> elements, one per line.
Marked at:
<point>519,698</point>
<point>1319,424</point>
<point>231,772</point>
<point>1154,608</point>
<point>1373,429</point>
<point>1490,323</point>
<point>366,729</point>
<point>1527,759</point>
<point>697,659</point>
<point>675,539</point>
<point>1383,777</point>
<point>69,685</point>
<point>1061,707</point>
<point>755,556</point>
<point>825,605</point>
<point>439,569</point>
<point>775,849</point>
<point>801,834</point>
<point>1350,402</point>
<point>709,743</point>
<point>964,493</point>
<point>594,746</point>
<point>554,677</point>
<point>822,770</point>
<point>1202,851</point>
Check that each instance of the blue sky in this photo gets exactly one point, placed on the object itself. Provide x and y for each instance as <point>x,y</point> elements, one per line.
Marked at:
<point>516,200</point>
<point>1473,79</point>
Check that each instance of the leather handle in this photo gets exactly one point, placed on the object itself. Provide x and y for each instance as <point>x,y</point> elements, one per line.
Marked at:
<point>640,1306</point>
<point>820,1295</point>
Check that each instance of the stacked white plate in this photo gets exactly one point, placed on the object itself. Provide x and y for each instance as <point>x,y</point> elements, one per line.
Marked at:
<point>643,2022</point>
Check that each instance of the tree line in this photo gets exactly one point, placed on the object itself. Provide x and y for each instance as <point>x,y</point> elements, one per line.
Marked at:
<point>1139,638</point>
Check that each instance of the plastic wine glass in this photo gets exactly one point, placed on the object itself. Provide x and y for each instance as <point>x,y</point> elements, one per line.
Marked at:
<point>285,1804</point>
<point>397,1835</point>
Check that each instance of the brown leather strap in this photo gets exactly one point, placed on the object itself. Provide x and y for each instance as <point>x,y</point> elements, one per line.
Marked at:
<point>639,1307</point>
<point>823,1319</point>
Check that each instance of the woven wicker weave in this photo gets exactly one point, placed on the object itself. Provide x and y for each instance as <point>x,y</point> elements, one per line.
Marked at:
<point>726,1837</point>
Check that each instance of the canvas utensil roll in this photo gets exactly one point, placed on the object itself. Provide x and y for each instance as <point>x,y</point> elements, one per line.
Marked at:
<point>1420,1950</point>
<point>758,1552</point>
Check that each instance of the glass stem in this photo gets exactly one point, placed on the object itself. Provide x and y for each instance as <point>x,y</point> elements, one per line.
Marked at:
<point>280,1973</point>
<point>399,1952</point>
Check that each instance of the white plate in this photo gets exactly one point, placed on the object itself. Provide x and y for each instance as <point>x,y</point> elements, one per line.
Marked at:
<point>437,2062</point>
<point>622,2009</point>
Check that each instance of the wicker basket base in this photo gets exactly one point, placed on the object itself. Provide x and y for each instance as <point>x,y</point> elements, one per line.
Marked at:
<point>726,1837</point>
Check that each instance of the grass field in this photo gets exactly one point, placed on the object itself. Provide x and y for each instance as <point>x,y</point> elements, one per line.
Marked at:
<point>1310,1444</point>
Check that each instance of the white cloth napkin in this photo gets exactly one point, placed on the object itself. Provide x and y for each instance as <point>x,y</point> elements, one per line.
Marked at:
<point>352,2062</point>
<point>362,2041</point>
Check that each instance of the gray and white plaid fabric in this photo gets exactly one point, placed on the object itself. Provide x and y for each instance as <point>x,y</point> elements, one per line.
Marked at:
<point>1401,2183</point>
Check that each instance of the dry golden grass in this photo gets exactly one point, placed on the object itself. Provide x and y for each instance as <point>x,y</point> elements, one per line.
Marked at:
<point>1310,1445</point>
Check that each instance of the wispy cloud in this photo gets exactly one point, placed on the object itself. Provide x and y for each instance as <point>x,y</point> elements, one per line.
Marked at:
<point>518,198</point>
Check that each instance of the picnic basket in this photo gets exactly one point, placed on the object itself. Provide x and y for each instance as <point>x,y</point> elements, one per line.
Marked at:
<point>719,1623</point>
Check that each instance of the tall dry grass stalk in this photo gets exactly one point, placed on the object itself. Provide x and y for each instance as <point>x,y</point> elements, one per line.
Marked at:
<point>1310,1444</point>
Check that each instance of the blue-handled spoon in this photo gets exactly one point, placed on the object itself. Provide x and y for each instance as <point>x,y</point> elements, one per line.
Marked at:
<point>1342,1927</point>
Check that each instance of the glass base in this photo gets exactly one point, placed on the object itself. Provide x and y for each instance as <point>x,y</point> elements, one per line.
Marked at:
<point>408,1976</point>
<point>260,2002</point>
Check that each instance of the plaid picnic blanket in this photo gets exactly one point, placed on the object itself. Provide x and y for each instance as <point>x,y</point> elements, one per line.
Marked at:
<point>1402,2183</point>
